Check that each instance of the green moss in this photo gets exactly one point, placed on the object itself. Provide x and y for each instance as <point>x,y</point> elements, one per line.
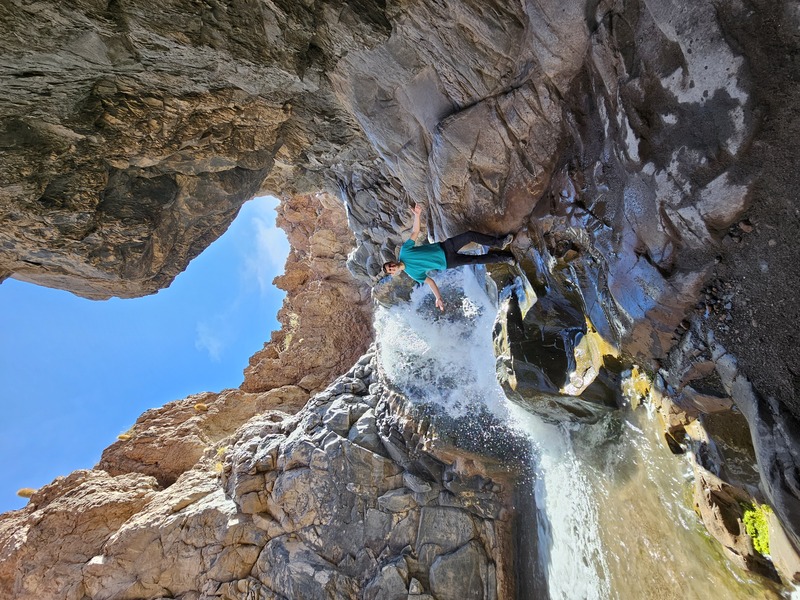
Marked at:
<point>755,523</point>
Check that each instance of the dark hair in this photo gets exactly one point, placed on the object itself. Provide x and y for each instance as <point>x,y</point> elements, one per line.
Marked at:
<point>387,264</point>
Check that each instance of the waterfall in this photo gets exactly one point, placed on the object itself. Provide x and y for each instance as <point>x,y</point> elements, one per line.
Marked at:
<point>614,511</point>
<point>448,360</point>
<point>569,542</point>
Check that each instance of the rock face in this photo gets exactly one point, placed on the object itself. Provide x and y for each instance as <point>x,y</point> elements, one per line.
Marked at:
<point>351,497</point>
<point>131,136</point>
<point>326,318</point>
<point>625,142</point>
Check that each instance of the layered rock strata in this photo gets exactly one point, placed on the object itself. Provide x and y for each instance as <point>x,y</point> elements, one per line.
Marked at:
<point>130,135</point>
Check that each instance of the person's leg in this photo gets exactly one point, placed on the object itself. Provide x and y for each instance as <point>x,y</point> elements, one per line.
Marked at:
<point>455,259</point>
<point>455,243</point>
<point>452,245</point>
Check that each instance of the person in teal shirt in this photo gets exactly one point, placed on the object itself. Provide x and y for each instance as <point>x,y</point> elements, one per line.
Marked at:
<point>418,260</point>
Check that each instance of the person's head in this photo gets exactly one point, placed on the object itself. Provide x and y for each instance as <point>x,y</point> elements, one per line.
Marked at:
<point>392,267</point>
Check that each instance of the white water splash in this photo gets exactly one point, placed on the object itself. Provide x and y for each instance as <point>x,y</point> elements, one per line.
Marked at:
<point>446,358</point>
<point>569,541</point>
<point>449,360</point>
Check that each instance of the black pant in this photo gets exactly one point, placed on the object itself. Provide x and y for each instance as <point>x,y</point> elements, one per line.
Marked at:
<point>452,245</point>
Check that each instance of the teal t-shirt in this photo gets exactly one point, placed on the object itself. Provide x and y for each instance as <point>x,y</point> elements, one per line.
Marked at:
<point>421,259</point>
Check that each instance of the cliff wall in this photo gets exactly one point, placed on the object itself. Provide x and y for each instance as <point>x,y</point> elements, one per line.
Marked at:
<point>641,150</point>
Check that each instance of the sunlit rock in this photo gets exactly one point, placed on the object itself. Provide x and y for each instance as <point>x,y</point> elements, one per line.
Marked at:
<point>622,140</point>
<point>277,515</point>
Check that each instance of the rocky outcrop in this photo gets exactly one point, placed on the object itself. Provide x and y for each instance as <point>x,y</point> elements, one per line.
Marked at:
<point>326,325</point>
<point>168,441</point>
<point>352,497</point>
<point>624,140</point>
<point>326,319</point>
<point>46,545</point>
<point>130,136</point>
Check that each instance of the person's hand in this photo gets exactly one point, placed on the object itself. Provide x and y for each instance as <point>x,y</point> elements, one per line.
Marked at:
<point>440,304</point>
<point>417,209</point>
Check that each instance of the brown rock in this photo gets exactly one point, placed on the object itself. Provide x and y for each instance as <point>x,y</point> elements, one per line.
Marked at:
<point>131,136</point>
<point>165,442</point>
<point>44,546</point>
<point>720,506</point>
<point>326,317</point>
<point>784,556</point>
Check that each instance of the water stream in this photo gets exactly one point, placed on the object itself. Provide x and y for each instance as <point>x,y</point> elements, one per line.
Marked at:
<point>615,515</point>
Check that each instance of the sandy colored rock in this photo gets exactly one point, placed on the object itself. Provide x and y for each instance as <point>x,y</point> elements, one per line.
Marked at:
<point>266,511</point>
<point>165,442</point>
<point>45,545</point>
<point>326,317</point>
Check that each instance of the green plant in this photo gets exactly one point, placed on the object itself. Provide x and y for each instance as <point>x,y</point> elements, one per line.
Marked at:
<point>755,524</point>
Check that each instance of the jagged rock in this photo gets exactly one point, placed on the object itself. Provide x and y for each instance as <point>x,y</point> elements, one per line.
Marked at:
<point>165,442</point>
<point>267,511</point>
<point>326,317</point>
<point>131,136</point>
<point>389,584</point>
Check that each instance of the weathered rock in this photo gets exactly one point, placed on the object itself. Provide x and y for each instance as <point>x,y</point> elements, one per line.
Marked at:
<point>785,558</point>
<point>465,574</point>
<point>326,317</point>
<point>45,545</point>
<point>131,136</point>
<point>282,507</point>
<point>165,442</point>
<point>720,506</point>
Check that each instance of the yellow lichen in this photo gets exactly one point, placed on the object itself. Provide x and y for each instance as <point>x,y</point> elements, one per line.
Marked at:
<point>200,407</point>
<point>127,434</point>
<point>26,492</point>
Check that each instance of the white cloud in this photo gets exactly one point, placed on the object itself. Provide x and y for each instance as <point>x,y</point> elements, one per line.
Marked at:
<point>207,339</point>
<point>266,255</point>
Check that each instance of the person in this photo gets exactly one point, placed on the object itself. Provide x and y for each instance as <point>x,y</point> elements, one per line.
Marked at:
<point>418,260</point>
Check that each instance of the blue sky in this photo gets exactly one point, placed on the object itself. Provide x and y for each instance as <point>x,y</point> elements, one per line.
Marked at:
<point>78,372</point>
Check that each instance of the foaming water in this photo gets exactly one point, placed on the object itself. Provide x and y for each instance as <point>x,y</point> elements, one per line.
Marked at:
<point>614,509</point>
<point>569,542</point>
<point>446,358</point>
<point>449,360</point>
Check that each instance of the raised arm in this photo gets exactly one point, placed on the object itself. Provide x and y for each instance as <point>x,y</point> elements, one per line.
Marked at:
<point>436,292</point>
<point>415,229</point>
